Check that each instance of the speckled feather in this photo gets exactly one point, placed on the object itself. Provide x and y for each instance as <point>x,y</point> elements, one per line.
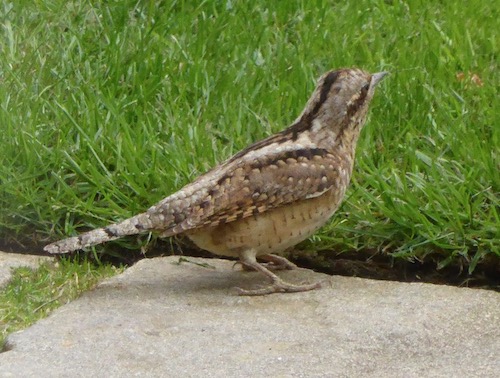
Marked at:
<point>241,190</point>
<point>312,157</point>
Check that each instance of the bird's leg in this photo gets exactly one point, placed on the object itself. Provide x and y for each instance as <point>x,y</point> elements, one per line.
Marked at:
<point>248,260</point>
<point>272,262</point>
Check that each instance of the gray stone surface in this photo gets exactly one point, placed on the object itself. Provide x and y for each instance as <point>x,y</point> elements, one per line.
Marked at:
<point>14,260</point>
<point>160,318</point>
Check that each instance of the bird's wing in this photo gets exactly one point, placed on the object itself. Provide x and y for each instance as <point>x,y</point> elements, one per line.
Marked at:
<point>248,186</point>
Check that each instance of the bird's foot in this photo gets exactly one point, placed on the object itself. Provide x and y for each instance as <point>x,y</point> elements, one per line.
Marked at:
<point>278,285</point>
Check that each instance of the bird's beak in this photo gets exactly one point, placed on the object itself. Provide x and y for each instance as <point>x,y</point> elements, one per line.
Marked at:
<point>377,77</point>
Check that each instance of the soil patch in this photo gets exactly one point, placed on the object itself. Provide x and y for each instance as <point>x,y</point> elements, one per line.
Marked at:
<point>364,264</point>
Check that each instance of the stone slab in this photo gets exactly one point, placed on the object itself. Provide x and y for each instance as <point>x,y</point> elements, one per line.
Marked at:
<point>8,261</point>
<point>162,318</point>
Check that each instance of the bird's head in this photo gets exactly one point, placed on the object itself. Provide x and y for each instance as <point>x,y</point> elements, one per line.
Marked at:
<point>340,102</point>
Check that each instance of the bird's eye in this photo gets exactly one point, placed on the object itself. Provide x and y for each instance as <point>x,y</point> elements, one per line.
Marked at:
<point>365,87</point>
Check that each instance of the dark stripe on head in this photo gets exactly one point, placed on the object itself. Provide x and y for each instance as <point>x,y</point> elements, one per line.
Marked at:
<point>353,108</point>
<point>325,89</point>
<point>305,122</point>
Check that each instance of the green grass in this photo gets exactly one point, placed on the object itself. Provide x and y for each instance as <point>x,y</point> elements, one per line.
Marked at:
<point>31,295</point>
<point>107,107</point>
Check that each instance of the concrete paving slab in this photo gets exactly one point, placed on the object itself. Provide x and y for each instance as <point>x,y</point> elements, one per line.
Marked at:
<point>161,318</point>
<point>15,260</point>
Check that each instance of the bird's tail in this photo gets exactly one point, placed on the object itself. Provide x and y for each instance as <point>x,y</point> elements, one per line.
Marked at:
<point>131,226</point>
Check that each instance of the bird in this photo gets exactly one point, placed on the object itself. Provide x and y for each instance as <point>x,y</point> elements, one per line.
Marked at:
<point>271,195</point>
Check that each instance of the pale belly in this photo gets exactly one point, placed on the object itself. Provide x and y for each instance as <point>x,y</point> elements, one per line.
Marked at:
<point>270,232</point>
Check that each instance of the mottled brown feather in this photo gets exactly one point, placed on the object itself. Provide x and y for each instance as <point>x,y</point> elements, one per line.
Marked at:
<point>312,158</point>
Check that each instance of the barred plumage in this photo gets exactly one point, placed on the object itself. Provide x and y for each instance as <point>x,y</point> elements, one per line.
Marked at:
<point>272,194</point>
